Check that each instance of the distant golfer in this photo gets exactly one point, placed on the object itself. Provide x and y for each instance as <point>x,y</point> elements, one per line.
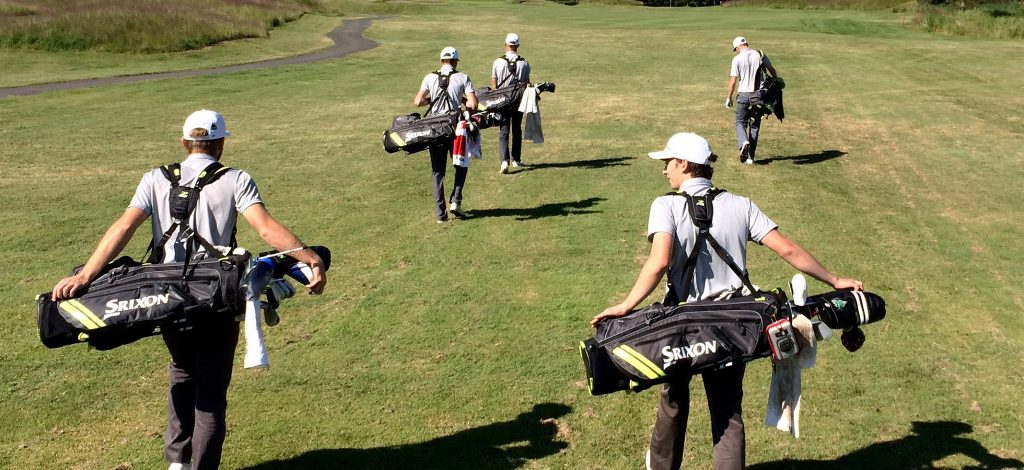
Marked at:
<point>444,91</point>
<point>672,233</point>
<point>510,69</point>
<point>748,67</point>
<point>202,357</point>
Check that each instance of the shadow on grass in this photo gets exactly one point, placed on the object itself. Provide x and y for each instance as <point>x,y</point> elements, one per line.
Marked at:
<point>929,443</point>
<point>591,164</point>
<point>805,159</point>
<point>558,209</point>
<point>505,445</point>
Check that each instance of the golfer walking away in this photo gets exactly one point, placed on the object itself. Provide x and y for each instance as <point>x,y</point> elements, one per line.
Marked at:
<point>510,69</point>
<point>672,233</point>
<point>747,67</point>
<point>444,92</point>
<point>201,357</point>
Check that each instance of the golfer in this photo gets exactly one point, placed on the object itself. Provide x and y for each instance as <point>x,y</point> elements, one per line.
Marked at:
<point>747,68</point>
<point>444,92</point>
<point>202,357</point>
<point>510,69</point>
<point>672,233</point>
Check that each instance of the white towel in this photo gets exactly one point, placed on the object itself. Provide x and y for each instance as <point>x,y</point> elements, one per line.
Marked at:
<point>783,411</point>
<point>532,130</point>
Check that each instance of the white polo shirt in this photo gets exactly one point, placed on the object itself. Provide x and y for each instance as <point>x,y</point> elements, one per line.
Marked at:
<point>216,210</point>
<point>744,67</point>
<point>736,220</point>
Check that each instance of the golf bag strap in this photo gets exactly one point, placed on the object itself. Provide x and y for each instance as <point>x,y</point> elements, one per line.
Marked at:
<point>512,78</point>
<point>703,219</point>
<point>442,84</point>
<point>172,172</point>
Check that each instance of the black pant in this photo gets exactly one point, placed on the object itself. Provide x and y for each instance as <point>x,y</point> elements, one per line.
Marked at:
<point>197,402</point>
<point>724,389</point>
<point>513,123</point>
<point>440,158</point>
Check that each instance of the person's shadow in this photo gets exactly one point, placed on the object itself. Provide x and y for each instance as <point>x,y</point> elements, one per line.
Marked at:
<point>592,164</point>
<point>557,209</point>
<point>504,445</point>
<point>929,443</point>
<point>805,159</point>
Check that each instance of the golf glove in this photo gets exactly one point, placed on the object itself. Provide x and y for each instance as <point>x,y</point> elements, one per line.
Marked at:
<point>728,102</point>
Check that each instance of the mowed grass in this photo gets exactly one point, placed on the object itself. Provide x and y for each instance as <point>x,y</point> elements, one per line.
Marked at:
<point>453,346</point>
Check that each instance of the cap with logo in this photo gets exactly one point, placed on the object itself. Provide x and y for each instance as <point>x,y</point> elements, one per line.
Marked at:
<point>739,41</point>
<point>212,121</point>
<point>512,39</point>
<point>449,53</point>
<point>685,146</point>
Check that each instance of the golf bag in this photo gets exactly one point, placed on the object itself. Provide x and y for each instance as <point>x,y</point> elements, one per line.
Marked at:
<point>500,99</point>
<point>414,134</point>
<point>648,346</point>
<point>131,301</point>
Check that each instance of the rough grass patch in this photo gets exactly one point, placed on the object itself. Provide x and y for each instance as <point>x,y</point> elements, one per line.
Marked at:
<point>144,27</point>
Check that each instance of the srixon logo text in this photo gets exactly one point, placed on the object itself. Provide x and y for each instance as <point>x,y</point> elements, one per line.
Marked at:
<point>695,350</point>
<point>115,306</point>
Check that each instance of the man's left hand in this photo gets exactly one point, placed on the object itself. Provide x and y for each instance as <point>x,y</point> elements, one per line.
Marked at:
<point>66,288</point>
<point>610,312</point>
<point>728,102</point>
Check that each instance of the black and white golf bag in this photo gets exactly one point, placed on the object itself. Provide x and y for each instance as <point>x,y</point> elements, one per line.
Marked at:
<point>414,134</point>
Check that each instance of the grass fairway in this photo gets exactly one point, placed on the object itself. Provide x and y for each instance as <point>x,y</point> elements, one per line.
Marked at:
<point>453,346</point>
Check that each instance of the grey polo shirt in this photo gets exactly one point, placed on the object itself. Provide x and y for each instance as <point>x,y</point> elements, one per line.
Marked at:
<point>500,72</point>
<point>736,221</point>
<point>459,85</point>
<point>216,211</point>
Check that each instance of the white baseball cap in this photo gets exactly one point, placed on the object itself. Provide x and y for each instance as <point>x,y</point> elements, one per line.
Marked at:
<point>212,121</point>
<point>739,41</point>
<point>685,146</point>
<point>450,53</point>
<point>512,39</point>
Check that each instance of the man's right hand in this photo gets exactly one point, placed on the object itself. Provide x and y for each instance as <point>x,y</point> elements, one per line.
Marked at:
<point>610,312</point>
<point>846,283</point>
<point>319,281</point>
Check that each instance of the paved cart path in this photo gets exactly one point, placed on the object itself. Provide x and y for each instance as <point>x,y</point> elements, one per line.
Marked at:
<point>348,39</point>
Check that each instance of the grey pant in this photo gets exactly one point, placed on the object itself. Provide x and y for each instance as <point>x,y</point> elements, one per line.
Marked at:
<point>724,389</point>
<point>513,124</point>
<point>197,401</point>
<point>440,158</point>
<point>748,126</point>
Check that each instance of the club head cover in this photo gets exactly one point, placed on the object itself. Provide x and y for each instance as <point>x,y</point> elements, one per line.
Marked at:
<point>853,339</point>
<point>270,315</point>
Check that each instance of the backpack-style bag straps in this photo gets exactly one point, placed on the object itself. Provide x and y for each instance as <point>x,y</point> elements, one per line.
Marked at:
<point>701,211</point>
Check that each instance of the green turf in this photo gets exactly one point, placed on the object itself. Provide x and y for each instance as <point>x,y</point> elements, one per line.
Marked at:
<point>453,346</point>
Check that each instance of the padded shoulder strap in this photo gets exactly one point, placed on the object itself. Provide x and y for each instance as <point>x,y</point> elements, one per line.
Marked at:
<point>701,210</point>
<point>172,172</point>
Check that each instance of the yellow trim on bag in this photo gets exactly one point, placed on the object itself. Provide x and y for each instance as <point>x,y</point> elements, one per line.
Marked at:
<point>92,316</point>
<point>638,365</point>
<point>81,317</point>
<point>642,358</point>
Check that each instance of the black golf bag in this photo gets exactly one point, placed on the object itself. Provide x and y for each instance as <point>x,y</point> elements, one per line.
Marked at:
<point>131,301</point>
<point>414,134</point>
<point>499,99</point>
<point>648,346</point>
